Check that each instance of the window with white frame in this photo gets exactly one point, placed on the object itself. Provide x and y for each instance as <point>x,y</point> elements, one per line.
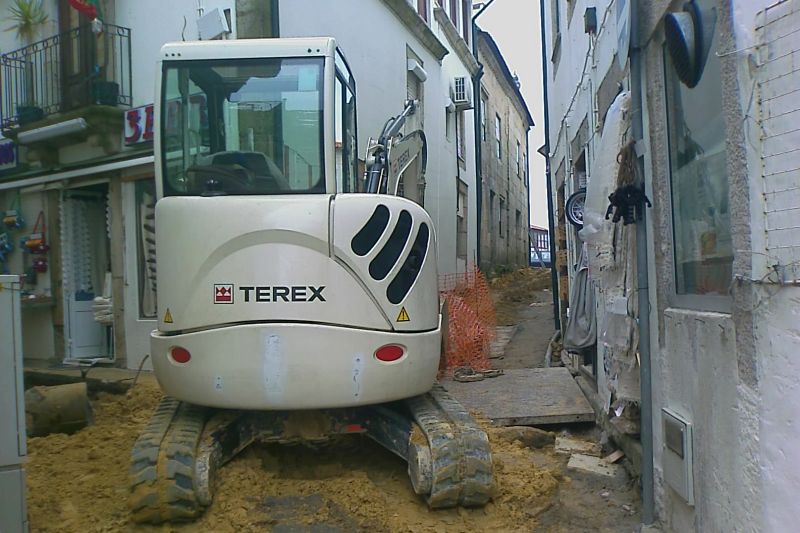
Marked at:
<point>516,159</point>
<point>502,215</point>
<point>484,111</point>
<point>497,130</point>
<point>461,133</point>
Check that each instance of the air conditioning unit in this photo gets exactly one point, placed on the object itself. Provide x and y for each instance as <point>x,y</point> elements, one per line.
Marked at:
<point>461,92</point>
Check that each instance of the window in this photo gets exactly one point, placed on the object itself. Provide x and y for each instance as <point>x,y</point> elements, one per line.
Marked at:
<point>484,110</point>
<point>497,125</point>
<point>345,128</point>
<point>461,143</point>
<point>516,158</point>
<point>454,12</point>
<point>555,16</point>
<point>145,191</point>
<point>249,126</point>
<point>422,9</point>
<point>518,227</point>
<point>699,181</point>
<point>415,90</point>
<point>525,169</point>
<point>492,211</point>
<point>461,220</point>
<point>500,223</point>
<point>466,19</point>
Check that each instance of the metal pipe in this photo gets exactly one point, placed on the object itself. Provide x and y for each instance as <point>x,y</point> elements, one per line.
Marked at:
<point>545,151</point>
<point>645,378</point>
<point>476,115</point>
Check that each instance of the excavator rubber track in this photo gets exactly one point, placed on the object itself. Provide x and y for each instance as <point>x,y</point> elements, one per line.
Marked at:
<point>162,469</point>
<point>175,459</point>
<point>460,460</point>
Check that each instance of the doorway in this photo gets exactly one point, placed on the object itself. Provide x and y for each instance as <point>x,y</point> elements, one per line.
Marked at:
<point>86,274</point>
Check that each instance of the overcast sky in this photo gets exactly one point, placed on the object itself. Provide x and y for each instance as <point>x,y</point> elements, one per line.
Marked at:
<point>514,25</point>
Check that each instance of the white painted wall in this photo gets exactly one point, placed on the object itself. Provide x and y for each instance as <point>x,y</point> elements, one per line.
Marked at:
<point>137,330</point>
<point>375,44</point>
<point>746,459</point>
<point>445,186</point>
<point>153,23</point>
<point>779,346</point>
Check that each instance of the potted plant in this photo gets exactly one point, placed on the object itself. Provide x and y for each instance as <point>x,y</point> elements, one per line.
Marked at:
<point>27,17</point>
<point>105,92</point>
<point>29,112</point>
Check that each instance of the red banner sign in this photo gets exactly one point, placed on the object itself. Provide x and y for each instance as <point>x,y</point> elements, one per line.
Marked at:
<point>139,125</point>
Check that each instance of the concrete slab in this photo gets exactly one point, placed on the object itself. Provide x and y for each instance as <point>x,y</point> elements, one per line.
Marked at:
<point>525,397</point>
<point>596,466</point>
<point>568,446</point>
<point>502,336</point>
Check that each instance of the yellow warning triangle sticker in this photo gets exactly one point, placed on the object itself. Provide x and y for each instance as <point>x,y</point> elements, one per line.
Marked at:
<point>403,316</point>
<point>168,317</point>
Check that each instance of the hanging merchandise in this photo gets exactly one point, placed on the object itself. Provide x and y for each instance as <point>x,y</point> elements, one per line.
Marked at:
<point>39,264</point>
<point>6,247</point>
<point>92,9</point>
<point>626,204</point>
<point>36,242</point>
<point>13,217</point>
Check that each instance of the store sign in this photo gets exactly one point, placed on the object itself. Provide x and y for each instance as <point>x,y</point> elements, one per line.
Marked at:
<point>139,121</point>
<point>139,125</point>
<point>8,155</point>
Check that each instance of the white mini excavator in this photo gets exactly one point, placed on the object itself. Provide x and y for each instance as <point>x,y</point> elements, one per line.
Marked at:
<point>297,295</point>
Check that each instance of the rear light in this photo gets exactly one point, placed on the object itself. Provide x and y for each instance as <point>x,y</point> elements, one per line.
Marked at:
<point>179,355</point>
<point>389,353</point>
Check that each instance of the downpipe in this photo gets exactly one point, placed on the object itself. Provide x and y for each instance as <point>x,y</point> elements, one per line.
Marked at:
<point>643,288</point>
<point>546,154</point>
<point>476,97</point>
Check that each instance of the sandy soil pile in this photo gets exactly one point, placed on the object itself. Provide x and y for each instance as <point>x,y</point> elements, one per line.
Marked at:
<point>79,483</point>
<point>522,286</point>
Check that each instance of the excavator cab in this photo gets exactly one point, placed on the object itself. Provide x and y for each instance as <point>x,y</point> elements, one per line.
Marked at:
<point>287,287</point>
<point>250,124</point>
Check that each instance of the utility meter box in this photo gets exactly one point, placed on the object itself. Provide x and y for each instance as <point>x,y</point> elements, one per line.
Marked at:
<point>676,459</point>
<point>13,514</point>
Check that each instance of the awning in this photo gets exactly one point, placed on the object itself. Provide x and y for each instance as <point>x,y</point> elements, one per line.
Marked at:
<point>78,172</point>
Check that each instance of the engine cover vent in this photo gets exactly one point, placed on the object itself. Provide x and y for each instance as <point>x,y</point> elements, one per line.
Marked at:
<point>368,236</point>
<point>387,258</point>
<point>405,278</point>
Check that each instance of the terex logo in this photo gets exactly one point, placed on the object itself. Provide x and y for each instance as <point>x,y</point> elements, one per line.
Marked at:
<point>295,293</point>
<point>223,293</point>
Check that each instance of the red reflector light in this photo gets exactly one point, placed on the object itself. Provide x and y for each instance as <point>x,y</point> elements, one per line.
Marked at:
<point>389,353</point>
<point>180,355</point>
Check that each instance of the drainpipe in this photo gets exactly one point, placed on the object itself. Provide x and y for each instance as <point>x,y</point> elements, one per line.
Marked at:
<point>545,151</point>
<point>645,377</point>
<point>476,97</point>
<point>527,179</point>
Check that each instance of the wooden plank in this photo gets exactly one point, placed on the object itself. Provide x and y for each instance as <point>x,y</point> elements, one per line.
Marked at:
<point>525,397</point>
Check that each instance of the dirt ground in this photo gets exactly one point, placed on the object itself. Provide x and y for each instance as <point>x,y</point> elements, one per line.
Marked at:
<point>79,482</point>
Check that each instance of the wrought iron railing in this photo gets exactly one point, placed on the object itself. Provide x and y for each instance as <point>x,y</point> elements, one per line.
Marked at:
<point>65,72</point>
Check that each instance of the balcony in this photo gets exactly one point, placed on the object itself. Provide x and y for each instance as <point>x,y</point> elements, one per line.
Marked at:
<point>65,72</point>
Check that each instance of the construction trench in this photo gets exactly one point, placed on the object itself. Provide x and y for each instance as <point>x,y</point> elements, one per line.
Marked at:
<point>80,482</point>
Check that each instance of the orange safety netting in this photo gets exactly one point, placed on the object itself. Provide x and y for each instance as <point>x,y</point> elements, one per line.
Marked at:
<point>471,323</point>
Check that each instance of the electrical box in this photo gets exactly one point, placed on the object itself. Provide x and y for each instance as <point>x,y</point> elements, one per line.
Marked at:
<point>13,514</point>
<point>212,25</point>
<point>590,20</point>
<point>676,459</point>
